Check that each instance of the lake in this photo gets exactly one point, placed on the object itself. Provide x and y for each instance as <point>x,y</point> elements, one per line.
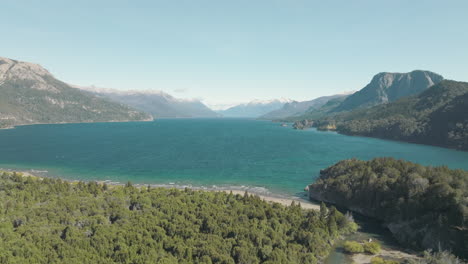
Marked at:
<point>259,156</point>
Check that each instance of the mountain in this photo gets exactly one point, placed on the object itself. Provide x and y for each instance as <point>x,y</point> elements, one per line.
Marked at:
<point>387,87</point>
<point>296,108</point>
<point>254,108</point>
<point>156,103</point>
<point>31,95</point>
<point>384,88</point>
<point>437,116</point>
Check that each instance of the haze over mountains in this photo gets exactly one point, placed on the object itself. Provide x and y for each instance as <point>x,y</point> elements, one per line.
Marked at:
<point>254,109</point>
<point>296,108</point>
<point>157,103</point>
<point>29,94</point>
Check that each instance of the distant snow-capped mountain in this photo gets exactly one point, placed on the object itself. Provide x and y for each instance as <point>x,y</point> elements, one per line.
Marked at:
<point>157,103</point>
<point>254,108</point>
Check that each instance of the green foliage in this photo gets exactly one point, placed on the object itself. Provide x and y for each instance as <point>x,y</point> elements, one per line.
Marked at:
<point>437,116</point>
<point>54,221</point>
<point>426,207</point>
<point>379,260</point>
<point>372,247</point>
<point>353,247</point>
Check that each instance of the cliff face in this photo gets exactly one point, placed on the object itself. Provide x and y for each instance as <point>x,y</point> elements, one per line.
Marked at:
<point>387,87</point>
<point>29,94</point>
<point>423,207</point>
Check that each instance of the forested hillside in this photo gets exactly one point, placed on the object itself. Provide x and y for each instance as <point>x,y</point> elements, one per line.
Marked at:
<point>54,221</point>
<point>438,116</point>
<point>424,207</point>
<point>29,94</point>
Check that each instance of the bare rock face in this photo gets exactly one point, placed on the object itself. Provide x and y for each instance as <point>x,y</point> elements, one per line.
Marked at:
<point>387,87</point>
<point>12,69</point>
<point>29,94</point>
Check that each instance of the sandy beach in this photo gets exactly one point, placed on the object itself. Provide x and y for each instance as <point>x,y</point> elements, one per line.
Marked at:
<point>286,201</point>
<point>305,204</point>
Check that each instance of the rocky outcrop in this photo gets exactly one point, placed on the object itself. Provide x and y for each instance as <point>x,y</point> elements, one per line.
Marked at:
<point>303,124</point>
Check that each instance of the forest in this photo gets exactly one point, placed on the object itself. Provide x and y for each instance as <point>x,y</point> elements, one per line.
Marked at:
<point>423,207</point>
<point>54,221</point>
<point>437,116</point>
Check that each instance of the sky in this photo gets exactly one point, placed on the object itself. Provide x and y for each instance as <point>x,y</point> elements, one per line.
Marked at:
<point>225,52</point>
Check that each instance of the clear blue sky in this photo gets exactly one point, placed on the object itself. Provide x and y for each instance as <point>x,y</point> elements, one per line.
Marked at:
<point>233,51</point>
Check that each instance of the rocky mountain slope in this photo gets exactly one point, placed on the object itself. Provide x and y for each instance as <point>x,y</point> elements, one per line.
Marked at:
<point>437,116</point>
<point>156,103</point>
<point>384,88</point>
<point>29,94</point>
<point>387,87</point>
<point>254,109</point>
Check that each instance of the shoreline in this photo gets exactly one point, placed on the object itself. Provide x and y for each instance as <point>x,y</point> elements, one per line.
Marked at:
<point>85,122</point>
<point>305,204</point>
<point>270,197</point>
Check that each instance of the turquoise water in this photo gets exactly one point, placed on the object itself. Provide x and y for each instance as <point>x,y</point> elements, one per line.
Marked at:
<point>219,153</point>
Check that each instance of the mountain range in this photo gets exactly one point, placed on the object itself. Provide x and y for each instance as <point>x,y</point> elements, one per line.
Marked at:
<point>254,109</point>
<point>31,95</point>
<point>157,103</point>
<point>296,108</point>
<point>385,87</point>
<point>418,106</point>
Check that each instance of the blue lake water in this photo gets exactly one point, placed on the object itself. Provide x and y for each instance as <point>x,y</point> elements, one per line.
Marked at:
<point>220,153</point>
